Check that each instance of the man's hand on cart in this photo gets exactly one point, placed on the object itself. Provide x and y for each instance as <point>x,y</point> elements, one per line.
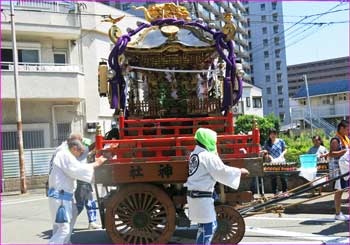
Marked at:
<point>99,161</point>
<point>244,172</point>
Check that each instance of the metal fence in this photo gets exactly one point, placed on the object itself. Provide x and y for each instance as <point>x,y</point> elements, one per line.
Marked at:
<point>37,162</point>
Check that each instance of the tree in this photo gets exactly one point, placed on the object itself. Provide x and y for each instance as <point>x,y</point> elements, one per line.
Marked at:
<point>244,124</point>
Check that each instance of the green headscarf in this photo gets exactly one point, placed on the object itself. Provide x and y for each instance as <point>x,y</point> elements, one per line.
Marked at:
<point>207,137</point>
<point>87,141</point>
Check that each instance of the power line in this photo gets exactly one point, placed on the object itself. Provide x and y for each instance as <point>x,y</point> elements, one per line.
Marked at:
<point>133,16</point>
<point>300,16</point>
<point>317,16</point>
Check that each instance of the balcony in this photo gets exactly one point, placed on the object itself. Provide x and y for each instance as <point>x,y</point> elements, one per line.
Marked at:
<point>321,111</point>
<point>239,5</point>
<point>43,19</point>
<point>52,6</point>
<point>43,81</point>
<point>226,6</point>
<point>204,14</point>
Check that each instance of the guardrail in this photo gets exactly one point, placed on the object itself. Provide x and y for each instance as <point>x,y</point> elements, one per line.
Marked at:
<point>37,162</point>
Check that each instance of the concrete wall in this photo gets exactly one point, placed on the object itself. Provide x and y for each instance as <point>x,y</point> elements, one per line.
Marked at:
<point>38,112</point>
<point>44,85</point>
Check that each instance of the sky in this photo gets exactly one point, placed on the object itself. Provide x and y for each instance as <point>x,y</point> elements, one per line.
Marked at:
<point>317,43</point>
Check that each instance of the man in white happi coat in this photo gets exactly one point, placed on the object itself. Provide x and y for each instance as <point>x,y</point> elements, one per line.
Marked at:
<point>66,168</point>
<point>205,169</point>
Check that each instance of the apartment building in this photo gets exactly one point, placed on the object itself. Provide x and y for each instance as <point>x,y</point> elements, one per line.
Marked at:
<point>268,57</point>
<point>317,72</point>
<point>60,44</point>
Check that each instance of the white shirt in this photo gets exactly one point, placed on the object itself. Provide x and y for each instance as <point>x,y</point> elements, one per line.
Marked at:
<point>204,173</point>
<point>66,169</point>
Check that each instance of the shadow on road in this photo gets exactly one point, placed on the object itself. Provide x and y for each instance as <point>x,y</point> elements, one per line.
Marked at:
<point>334,229</point>
<point>46,234</point>
<point>90,237</point>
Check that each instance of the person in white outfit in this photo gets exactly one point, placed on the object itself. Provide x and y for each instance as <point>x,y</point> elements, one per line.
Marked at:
<point>64,171</point>
<point>205,169</point>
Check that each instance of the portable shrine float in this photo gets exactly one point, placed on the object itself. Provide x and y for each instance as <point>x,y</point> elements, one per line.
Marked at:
<point>166,78</point>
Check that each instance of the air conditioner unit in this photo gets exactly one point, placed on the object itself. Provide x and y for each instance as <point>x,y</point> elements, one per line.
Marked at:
<point>91,127</point>
<point>236,110</point>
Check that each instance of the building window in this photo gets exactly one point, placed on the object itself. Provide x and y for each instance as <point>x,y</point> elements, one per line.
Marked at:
<point>31,139</point>
<point>275,29</point>
<point>24,55</point>
<point>262,7</point>
<point>257,102</point>
<point>274,5</point>
<point>249,34</point>
<point>269,103</point>
<point>267,66</point>
<point>282,116</point>
<point>250,57</point>
<point>278,65</point>
<point>28,56</point>
<point>280,89</point>
<point>247,100</point>
<point>279,77</point>
<point>328,101</point>
<point>266,54</point>
<point>59,58</point>
<point>264,30</point>
<point>247,10</point>
<point>268,78</point>
<point>6,55</point>
<point>280,103</point>
<point>268,90</point>
<point>274,17</point>
<point>263,18</point>
<point>63,131</point>
<point>250,45</point>
<point>248,22</point>
<point>277,41</point>
<point>277,53</point>
<point>265,42</point>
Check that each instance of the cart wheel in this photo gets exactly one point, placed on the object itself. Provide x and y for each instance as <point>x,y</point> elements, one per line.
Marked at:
<point>140,213</point>
<point>231,226</point>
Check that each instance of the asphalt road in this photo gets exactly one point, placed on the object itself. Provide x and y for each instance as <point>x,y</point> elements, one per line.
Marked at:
<point>25,219</point>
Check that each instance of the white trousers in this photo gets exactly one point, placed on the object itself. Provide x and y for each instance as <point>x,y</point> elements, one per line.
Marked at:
<point>61,232</point>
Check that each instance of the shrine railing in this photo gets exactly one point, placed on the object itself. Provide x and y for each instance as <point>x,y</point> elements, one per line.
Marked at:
<point>154,109</point>
<point>150,148</point>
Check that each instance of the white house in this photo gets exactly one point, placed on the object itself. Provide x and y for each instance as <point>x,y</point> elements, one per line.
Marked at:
<point>250,102</point>
<point>329,103</point>
<point>59,44</point>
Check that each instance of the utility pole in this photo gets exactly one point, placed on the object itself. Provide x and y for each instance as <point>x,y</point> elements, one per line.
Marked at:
<point>308,102</point>
<point>18,104</point>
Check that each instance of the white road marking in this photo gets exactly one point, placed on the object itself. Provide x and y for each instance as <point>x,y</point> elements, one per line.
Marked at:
<point>297,235</point>
<point>23,201</point>
<point>297,219</point>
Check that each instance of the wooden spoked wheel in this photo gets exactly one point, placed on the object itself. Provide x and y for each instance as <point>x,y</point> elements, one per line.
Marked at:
<point>231,226</point>
<point>140,213</point>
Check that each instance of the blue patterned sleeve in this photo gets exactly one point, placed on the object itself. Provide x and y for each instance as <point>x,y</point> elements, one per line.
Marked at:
<point>283,145</point>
